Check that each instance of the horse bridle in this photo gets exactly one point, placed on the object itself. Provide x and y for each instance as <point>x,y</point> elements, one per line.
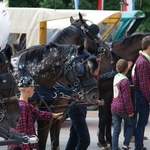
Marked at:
<point>70,66</point>
<point>84,32</point>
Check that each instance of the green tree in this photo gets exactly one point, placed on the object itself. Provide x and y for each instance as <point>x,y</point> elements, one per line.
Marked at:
<point>144,5</point>
<point>68,4</point>
<point>111,5</point>
<point>24,3</point>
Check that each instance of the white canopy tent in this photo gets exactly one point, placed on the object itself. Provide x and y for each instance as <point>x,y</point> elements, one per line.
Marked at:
<point>34,22</point>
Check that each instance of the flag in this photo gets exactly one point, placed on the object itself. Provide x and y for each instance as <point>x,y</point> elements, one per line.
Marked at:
<point>76,4</point>
<point>100,4</point>
<point>130,6</point>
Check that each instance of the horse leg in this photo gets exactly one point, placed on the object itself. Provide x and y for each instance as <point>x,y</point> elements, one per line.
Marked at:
<point>105,120</point>
<point>101,126</point>
<point>54,134</point>
<point>108,127</point>
<point>43,131</point>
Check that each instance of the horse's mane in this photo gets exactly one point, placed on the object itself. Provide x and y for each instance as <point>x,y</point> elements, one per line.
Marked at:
<point>131,39</point>
<point>40,51</point>
<point>31,52</point>
<point>62,36</point>
<point>36,51</point>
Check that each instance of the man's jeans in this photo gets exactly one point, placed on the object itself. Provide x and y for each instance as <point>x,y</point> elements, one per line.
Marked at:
<point>142,120</point>
<point>129,122</point>
<point>79,138</point>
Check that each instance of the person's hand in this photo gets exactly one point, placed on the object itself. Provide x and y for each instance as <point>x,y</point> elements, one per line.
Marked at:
<point>130,63</point>
<point>58,115</point>
<point>131,115</point>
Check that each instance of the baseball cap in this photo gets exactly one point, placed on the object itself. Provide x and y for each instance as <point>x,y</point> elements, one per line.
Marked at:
<point>26,82</point>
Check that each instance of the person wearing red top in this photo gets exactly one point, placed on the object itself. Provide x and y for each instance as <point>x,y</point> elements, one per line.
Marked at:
<point>29,114</point>
<point>141,81</point>
<point>122,105</point>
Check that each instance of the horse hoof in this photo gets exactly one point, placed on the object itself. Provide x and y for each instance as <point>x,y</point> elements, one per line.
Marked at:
<point>99,144</point>
<point>102,145</point>
<point>106,148</point>
<point>145,138</point>
<point>58,148</point>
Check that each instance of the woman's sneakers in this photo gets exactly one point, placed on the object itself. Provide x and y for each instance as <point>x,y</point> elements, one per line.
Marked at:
<point>125,147</point>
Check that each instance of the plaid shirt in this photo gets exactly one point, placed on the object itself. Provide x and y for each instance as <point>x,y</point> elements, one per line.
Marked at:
<point>29,114</point>
<point>122,102</point>
<point>141,76</point>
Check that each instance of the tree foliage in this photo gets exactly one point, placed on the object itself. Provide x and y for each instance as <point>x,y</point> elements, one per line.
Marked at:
<point>144,5</point>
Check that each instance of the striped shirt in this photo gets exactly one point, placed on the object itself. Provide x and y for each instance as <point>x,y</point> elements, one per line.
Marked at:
<point>29,114</point>
<point>122,102</point>
<point>141,76</point>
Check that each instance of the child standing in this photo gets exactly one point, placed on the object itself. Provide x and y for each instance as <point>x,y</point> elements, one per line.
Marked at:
<point>122,106</point>
<point>29,114</point>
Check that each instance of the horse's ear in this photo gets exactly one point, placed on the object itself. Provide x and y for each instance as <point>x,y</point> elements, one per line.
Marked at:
<point>80,17</point>
<point>51,45</point>
<point>81,49</point>
<point>8,52</point>
<point>71,20</point>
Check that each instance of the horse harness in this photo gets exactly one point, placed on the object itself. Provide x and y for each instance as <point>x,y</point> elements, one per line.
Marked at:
<point>77,69</point>
<point>112,73</point>
<point>84,30</point>
<point>6,82</point>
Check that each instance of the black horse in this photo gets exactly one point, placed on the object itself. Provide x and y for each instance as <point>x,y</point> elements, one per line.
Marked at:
<point>80,31</point>
<point>9,107</point>
<point>127,48</point>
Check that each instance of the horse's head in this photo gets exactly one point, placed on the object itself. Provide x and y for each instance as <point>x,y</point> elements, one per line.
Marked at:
<point>46,64</point>
<point>79,72</point>
<point>9,107</point>
<point>93,43</point>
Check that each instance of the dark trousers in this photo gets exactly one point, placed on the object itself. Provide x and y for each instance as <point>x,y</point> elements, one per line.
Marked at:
<point>79,138</point>
<point>142,120</point>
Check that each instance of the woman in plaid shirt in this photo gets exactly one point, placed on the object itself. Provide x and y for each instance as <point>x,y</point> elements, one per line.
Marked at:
<point>122,106</point>
<point>141,81</point>
<point>29,114</point>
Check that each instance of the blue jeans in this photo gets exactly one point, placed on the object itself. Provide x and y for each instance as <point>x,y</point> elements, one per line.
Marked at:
<point>79,138</point>
<point>129,122</point>
<point>142,120</point>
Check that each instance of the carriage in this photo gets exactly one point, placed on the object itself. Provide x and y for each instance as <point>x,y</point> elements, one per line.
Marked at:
<point>127,25</point>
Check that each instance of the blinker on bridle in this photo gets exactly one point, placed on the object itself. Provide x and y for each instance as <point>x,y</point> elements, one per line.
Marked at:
<point>72,66</point>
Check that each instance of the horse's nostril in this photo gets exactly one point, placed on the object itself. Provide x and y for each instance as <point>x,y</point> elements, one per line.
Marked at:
<point>94,97</point>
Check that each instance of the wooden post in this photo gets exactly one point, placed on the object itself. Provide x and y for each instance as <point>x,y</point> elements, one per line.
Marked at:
<point>43,32</point>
